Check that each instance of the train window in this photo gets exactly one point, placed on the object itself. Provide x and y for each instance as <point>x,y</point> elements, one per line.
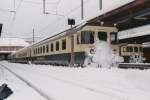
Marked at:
<point>36,51</point>
<point>64,44</point>
<point>40,49</point>
<point>113,37</point>
<point>130,49</point>
<point>141,49</point>
<point>57,46</point>
<point>102,36</point>
<point>78,39</point>
<point>136,49</point>
<point>124,49</point>
<point>87,37</point>
<point>52,47</point>
<point>47,48</point>
<point>43,49</point>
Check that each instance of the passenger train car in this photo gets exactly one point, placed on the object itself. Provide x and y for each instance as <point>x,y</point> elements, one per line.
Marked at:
<point>67,47</point>
<point>132,53</point>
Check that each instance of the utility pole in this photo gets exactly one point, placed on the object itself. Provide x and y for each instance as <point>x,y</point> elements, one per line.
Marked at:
<point>33,36</point>
<point>82,9</point>
<point>44,6</point>
<point>100,4</point>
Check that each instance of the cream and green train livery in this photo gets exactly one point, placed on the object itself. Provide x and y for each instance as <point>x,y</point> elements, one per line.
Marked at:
<point>67,47</point>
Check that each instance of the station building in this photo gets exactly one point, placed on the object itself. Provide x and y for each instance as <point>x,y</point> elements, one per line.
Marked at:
<point>10,45</point>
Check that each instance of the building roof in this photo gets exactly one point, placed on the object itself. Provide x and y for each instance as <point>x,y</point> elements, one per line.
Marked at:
<point>13,42</point>
<point>134,35</point>
<point>133,14</point>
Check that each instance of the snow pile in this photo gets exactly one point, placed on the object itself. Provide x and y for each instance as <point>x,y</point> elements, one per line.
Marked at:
<point>103,56</point>
<point>20,89</point>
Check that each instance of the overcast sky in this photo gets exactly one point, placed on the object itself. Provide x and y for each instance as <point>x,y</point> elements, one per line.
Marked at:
<point>29,15</point>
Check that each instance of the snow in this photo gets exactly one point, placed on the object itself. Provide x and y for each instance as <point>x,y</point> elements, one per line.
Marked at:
<point>102,56</point>
<point>12,42</point>
<point>67,83</point>
<point>20,89</point>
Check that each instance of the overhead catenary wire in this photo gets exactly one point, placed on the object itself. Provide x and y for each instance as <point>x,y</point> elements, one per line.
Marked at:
<point>6,10</point>
<point>64,16</point>
<point>57,6</point>
<point>39,3</point>
<point>55,14</point>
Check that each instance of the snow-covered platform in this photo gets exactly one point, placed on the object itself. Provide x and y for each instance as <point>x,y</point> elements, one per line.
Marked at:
<point>66,83</point>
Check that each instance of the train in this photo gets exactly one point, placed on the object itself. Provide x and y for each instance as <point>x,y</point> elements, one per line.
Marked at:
<point>68,47</point>
<point>132,52</point>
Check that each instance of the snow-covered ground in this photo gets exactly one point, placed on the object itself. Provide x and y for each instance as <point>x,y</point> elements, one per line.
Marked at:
<point>65,83</point>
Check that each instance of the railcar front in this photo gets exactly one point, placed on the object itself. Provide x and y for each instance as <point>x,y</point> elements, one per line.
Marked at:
<point>85,39</point>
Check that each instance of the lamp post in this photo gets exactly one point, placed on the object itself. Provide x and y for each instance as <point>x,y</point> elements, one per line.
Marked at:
<point>72,22</point>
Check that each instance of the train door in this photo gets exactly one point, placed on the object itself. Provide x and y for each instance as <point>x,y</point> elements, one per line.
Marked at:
<point>72,50</point>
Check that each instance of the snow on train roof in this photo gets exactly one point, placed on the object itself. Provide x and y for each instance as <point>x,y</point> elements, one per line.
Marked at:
<point>13,42</point>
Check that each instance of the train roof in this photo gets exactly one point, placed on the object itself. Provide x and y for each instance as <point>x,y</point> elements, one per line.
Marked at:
<point>62,33</point>
<point>72,31</point>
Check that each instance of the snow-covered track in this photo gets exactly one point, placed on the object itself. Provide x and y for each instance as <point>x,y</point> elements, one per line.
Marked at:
<point>134,65</point>
<point>28,83</point>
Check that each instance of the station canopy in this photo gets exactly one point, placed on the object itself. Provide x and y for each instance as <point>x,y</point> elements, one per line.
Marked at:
<point>133,14</point>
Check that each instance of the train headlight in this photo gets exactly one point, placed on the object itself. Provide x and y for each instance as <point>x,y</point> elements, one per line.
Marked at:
<point>92,51</point>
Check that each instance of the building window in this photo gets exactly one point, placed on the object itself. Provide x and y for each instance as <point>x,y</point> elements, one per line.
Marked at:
<point>87,37</point>
<point>52,47</point>
<point>57,46</point>
<point>64,44</point>
<point>47,48</point>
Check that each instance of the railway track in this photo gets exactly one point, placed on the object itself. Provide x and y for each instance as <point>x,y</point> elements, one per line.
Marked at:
<point>134,65</point>
<point>106,90</point>
<point>44,95</point>
<point>86,88</point>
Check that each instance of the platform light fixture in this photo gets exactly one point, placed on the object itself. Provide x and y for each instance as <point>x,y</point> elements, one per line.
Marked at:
<point>102,23</point>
